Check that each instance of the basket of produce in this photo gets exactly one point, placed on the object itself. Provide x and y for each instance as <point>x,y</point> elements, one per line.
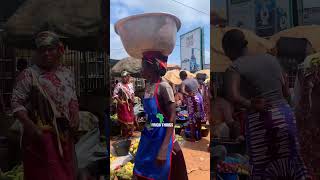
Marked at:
<point>178,129</point>
<point>116,128</point>
<point>134,147</point>
<point>231,170</point>
<point>112,174</point>
<point>204,131</point>
<point>122,147</point>
<point>231,145</point>
<point>182,117</point>
<point>112,158</point>
<point>179,139</point>
<point>125,172</point>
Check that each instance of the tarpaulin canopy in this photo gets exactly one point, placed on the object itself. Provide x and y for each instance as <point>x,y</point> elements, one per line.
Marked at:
<point>308,32</point>
<point>219,62</point>
<point>130,64</point>
<point>172,67</point>
<point>80,22</point>
<point>174,78</point>
<point>203,71</point>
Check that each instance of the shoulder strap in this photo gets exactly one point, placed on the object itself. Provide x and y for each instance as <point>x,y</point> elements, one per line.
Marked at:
<point>35,82</point>
<point>155,94</point>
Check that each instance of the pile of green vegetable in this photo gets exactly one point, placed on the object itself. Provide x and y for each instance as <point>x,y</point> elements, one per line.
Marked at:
<point>134,147</point>
<point>179,139</point>
<point>15,174</point>
<point>114,117</point>
<point>124,172</point>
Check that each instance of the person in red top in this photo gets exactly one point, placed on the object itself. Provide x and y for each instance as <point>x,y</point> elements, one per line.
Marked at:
<point>44,100</point>
<point>124,94</point>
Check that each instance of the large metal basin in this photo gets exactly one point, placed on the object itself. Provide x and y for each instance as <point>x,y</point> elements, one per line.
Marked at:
<point>148,32</point>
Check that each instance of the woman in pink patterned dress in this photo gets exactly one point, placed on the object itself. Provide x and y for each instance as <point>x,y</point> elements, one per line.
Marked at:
<point>307,111</point>
<point>45,102</point>
<point>124,94</point>
<point>205,93</point>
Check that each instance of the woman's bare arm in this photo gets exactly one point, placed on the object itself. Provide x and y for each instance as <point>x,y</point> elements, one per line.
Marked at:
<point>233,90</point>
<point>285,85</point>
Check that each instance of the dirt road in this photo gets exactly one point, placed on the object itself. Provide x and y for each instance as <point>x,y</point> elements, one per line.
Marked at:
<point>197,159</point>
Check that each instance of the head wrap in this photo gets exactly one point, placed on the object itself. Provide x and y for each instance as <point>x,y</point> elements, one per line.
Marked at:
<point>156,57</point>
<point>234,39</point>
<point>124,74</point>
<point>47,38</point>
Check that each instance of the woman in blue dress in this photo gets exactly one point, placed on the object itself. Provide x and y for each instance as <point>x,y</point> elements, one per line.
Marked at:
<point>159,156</point>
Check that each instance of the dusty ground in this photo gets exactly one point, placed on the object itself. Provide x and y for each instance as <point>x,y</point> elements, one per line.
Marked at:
<point>196,156</point>
<point>197,159</point>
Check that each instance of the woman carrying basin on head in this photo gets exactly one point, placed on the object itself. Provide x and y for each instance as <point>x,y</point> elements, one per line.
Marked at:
<point>159,155</point>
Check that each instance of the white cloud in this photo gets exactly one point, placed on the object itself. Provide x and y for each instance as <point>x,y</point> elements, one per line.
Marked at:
<point>117,50</point>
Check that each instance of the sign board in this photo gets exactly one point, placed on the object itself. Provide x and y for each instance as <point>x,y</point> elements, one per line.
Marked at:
<point>284,15</point>
<point>311,12</point>
<point>191,50</point>
<point>265,17</point>
<point>240,13</point>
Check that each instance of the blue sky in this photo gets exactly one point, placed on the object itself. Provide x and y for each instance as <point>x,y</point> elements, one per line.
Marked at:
<point>190,19</point>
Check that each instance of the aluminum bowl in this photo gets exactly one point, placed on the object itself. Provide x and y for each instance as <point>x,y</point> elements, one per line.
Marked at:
<point>148,32</point>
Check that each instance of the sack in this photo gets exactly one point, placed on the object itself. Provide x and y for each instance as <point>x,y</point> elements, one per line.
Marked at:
<point>89,149</point>
<point>16,127</point>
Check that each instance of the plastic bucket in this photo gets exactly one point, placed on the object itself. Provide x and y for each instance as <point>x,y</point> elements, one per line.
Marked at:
<point>178,130</point>
<point>204,132</point>
<point>122,147</point>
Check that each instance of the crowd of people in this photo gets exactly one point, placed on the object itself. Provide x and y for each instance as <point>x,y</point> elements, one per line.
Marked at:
<point>192,94</point>
<point>162,98</point>
<point>281,128</point>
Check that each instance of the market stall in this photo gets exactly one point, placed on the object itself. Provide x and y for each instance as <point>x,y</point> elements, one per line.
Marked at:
<point>122,150</point>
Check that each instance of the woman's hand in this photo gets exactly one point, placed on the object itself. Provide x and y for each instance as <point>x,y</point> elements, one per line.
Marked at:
<point>75,122</point>
<point>162,157</point>
<point>120,101</point>
<point>30,128</point>
<point>33,131</point>
<point>258,104</point>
